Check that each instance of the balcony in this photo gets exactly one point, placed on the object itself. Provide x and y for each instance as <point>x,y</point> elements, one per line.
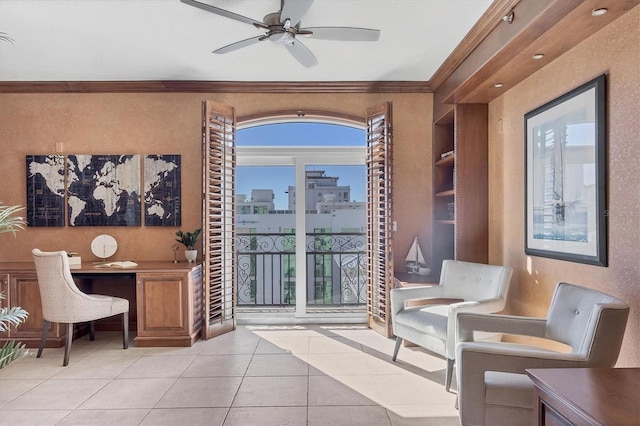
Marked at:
<point>335,272</point>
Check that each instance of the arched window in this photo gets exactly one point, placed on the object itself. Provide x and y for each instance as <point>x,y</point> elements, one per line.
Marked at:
<point>300,216</point>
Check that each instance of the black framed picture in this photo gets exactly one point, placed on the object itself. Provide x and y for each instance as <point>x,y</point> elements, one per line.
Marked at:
<point>45,190</point>
<point>565,190</point>
<point>162,190</point>
<point>103,190</point>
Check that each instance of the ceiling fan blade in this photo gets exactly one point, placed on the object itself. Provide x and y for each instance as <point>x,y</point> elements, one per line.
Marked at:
<point>294,10</point>
<point>302,54</point>
<point>240,44</point>
<point>341,33</point>
<point>224,13</point>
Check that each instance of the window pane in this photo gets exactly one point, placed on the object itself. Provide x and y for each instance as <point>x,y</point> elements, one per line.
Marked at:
<point>300,134</point>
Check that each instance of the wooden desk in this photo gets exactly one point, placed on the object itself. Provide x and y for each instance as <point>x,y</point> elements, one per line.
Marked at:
<point>165,301</point>
<point>586,396</point>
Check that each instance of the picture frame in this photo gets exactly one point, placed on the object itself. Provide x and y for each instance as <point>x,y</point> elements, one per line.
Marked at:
<point>565,174</point>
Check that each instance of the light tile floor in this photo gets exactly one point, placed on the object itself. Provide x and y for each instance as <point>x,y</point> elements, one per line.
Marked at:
<point>255,375</point>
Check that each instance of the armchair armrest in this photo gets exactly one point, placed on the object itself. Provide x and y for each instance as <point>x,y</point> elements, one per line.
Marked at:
<point>475,358</point>
<point>511,359</point>
<point>469,322</point>
<point>401,295</point>
<point>486,306</point>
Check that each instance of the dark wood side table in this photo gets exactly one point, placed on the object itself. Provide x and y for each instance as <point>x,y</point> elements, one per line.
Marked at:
<point>586,396</point>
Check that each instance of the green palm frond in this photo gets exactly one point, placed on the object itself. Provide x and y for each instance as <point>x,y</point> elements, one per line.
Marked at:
<point>9,222</point>
<point>12,316</point>
<point>11,351</point>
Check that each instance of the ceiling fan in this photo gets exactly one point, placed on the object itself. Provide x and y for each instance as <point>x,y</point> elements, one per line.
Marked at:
<point>282,27</point>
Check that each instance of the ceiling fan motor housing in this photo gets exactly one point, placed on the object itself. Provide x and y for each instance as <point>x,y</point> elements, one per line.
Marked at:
<point>280,32</point>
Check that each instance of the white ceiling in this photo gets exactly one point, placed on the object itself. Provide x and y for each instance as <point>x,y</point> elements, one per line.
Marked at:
<point>122,40</point>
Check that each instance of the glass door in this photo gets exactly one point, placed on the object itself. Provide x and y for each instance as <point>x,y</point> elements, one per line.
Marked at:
<point>296,213</point>
<point>265,227</point>
<point>335,225</point>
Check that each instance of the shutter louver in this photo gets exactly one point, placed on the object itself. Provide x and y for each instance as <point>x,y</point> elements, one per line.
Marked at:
<point>379,221</point>
<point>218,215</point>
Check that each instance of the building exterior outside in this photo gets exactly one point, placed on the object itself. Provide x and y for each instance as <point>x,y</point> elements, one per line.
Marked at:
<point>320,187</point>
<point>335,247</point>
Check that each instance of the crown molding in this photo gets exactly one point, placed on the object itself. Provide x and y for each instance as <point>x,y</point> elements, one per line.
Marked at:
<point>169,86</point>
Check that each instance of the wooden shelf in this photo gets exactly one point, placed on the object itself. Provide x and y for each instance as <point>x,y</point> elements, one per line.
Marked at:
<point>446,161</point>
<point>460,184</point>
<point>446,193</point>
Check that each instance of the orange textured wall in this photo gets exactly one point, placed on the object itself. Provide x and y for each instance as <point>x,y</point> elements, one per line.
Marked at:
<point>170,124</point>
<point>615,50</point>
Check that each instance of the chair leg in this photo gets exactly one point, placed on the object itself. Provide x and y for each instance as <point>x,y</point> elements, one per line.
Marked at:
<point>125,330</point>
<point>67,347</point>
<point>43,339</point>
<point>397,348</point>
<point>92,330</point>
<point>449,373</point>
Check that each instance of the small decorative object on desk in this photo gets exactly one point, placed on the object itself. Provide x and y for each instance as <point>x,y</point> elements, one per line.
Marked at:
<point>74,259</point>
<point>104,246</point>
<point>415,260</point>
<point>124,264</point>
<point>189,240</point>
<point>175,248</point>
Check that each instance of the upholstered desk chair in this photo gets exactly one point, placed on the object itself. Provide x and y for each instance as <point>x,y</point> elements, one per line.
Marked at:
<point>464,287</point>
<point>493,388</point>
<point>63,302</point>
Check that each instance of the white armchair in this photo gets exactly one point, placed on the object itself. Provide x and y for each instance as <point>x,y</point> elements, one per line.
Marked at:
<point>464,287</point>
<point>63,302</point>
<point>493,388</point>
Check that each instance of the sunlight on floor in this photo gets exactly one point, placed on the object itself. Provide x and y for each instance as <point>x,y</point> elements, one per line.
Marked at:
<point>256,375</point>
<point>360,360</point>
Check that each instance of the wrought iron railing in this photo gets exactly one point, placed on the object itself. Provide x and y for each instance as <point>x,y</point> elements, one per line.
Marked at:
<point>336,269</point>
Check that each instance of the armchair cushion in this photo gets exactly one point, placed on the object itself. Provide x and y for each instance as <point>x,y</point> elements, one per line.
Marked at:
<point>510,389</point>
<point>508,399</point>
<point>430,319</point>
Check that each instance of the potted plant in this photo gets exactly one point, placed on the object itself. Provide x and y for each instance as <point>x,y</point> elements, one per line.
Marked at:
<point>11,316</point>
<point>189,240</point>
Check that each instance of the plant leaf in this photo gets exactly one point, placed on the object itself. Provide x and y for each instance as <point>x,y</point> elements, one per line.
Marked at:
<point>11,351</point>
<point>11,316</point>
<point>8,222</point>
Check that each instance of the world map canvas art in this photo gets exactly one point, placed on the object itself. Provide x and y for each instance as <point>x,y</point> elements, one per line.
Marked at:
<point>103,190</point>
<point>45,190</point>
<point>162,190</point>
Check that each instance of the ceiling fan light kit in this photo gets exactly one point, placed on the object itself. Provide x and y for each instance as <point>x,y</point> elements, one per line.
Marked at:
<point>283,26</point>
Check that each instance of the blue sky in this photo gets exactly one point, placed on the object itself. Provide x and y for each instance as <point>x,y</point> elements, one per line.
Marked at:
<point>300,134</point>
<point>279,178</point>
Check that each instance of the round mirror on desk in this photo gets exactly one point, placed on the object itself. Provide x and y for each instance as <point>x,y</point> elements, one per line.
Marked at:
<point>104,246</point>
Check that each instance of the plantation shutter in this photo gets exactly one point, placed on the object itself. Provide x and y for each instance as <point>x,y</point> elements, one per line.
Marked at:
<point>379,223</point>
<point>219,252</point>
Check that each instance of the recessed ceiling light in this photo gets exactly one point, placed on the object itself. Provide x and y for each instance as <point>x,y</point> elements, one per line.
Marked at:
<point>599,12</point>
<point>509,17</point>
<point>498,85</point>
<point>538,56</point>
